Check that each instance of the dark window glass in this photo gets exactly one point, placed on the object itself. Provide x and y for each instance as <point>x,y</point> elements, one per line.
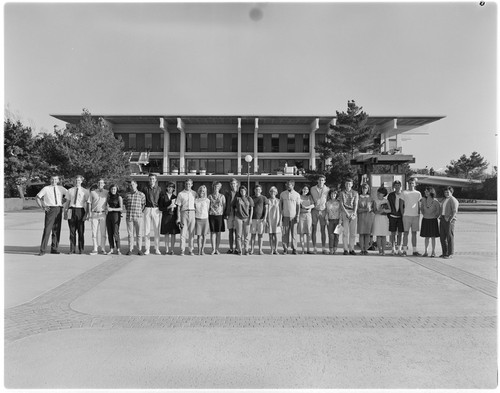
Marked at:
<point>219,164</point>
<point>260,143</point>
<point>290,143</point>
<point>203,142</point>
<point>275,143</point>
<point>148,141</point>
<point>132,141</point>
<point>305,138</point>
<point>219,142</point>
<point>234,142</point>
<point>189,142</point>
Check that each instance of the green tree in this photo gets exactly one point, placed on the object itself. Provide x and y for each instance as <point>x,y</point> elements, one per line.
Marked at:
<point>21,159</point>
<point>349,136</point>
<point>471,167</point>
<point>88,148</point>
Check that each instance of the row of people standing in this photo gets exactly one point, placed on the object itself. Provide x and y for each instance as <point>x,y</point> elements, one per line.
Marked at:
<point>198,214</point>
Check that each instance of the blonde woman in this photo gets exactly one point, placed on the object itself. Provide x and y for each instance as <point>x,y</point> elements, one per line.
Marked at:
<point>274,220</point>
<point>201,226</point>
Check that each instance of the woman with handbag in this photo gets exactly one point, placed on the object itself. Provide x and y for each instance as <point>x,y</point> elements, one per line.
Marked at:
<point>333,220</point>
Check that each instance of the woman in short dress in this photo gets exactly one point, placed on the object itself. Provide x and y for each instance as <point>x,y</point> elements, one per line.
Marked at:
<point>274,220</point>
<point>381,221</point>
<point>431,209</point>
<point>201,226</point>
<point>113,219</point>
<point>333,219</point>
<point>305,219</point>
<point>365,218</point>
<point>216,215</point>
<point>168,226</point>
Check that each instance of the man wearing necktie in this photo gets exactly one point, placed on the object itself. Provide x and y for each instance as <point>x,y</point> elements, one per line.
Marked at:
<point>76,213</point>
<point>51,199</point>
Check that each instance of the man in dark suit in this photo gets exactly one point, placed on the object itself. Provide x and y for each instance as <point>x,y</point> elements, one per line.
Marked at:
<point>449,210</point>
<point>229,213</point>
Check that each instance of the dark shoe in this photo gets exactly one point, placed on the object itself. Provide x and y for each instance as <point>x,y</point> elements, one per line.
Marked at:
<point>41,253</point>
<point>416,254</point>
<point>352,252</point>
<point>129,252</point>
<point>346,252</point>
<point>230,251</point>
<point>140,253</point>
<point>55,252</point>
<point>71,252</point>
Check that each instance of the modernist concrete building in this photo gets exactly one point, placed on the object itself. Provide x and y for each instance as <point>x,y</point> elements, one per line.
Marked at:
<point>208,148</point>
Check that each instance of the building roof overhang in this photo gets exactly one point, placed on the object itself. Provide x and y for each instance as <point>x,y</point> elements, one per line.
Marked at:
<point>410,121</point>
<point>447,181</point>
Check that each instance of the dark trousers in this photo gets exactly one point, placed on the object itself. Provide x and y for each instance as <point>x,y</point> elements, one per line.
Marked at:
<point>76,225</point>
<point>447,236</point>
<point>53,218</point>
<point>113,220</point>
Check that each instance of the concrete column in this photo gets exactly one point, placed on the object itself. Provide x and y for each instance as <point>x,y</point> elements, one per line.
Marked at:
<point>255,146</point>
<point>312,144</point>
<point>182,160</point>
<point>166,145</point>
<point>239,146</point>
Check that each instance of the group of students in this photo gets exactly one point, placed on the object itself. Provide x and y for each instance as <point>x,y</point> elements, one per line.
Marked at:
<point>200,214</point>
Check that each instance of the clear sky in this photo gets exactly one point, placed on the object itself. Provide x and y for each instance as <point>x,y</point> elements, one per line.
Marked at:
<point>394,59</point>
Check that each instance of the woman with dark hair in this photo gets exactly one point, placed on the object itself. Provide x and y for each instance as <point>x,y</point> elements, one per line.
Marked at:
<point>365,218</point>
<point>168,225</point>
<point>216,215</point>
<point>431,209</point>
<point>114,206</point>
<point>304,228</point>
<point>381,221</point>
<point>243,210</point>
<point>333,219</point>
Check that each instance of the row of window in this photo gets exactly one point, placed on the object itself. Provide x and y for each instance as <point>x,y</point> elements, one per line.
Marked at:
<point>222,166</point>
<point>266,143</point>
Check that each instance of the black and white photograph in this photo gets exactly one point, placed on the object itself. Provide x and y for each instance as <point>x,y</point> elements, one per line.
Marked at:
<point>250,196</point>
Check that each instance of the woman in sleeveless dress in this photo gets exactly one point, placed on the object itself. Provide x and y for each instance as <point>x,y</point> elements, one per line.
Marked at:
<point>113,219</point>
<point>168,225</point>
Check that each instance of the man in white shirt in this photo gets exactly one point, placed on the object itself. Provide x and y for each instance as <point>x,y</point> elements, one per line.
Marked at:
<point>319,194</point>
<point>411,216</point>
<point>97,208</point>
<point>51,199</point>
<point>290,211</point>
<point>186,215</point>
<point>75,211</point>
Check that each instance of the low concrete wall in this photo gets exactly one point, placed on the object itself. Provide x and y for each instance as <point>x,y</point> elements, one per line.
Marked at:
<point>13,204</point>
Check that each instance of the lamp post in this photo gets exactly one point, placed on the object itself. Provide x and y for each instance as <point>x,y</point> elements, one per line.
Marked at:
<point>248,159</point>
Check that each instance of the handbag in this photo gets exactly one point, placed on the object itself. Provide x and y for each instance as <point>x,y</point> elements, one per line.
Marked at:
<point>338,229</point>
<point>278,230</point>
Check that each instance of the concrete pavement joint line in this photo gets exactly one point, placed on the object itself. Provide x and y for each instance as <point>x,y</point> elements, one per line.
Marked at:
<point>471,280</point>
<point>52,311</point>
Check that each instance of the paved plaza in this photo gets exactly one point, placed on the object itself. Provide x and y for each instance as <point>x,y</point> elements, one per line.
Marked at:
<point>294,321</point>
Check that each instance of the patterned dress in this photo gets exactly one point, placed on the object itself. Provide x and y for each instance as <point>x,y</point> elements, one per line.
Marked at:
<point>274,214</point>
